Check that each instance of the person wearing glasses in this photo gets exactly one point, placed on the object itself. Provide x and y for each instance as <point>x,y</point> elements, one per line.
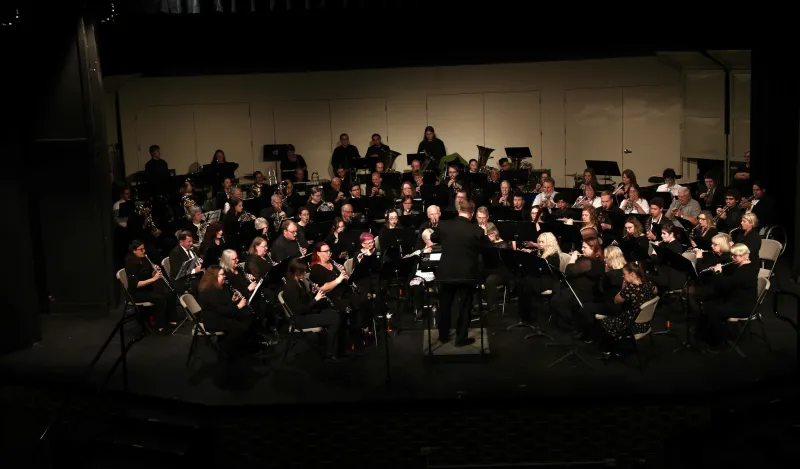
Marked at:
<point>311,309</point>
<point>146,284</point>
<point>288,243</point>
<point>730,295</point>
<point>332,280</point>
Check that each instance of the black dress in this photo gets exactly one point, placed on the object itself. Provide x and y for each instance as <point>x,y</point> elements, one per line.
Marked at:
<point>309,313</point>
<point>341,297</point>
<point>623,324</point>
<point>157,293</point>
<point>221,314</point>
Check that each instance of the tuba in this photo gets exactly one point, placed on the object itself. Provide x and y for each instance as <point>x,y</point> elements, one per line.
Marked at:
<point>483,159</point>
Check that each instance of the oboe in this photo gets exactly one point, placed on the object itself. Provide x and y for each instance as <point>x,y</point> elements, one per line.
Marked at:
<point>158,269</point>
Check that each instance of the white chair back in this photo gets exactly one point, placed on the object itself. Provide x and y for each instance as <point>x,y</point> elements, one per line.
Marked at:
<point>564,259</point>
<point>284,306</point>
<point>770,250</point>
<point>123,278</point>
<point>165,266</point>
<point>763,287</point>
<point>691,255</point>
<point>190,303</point>
<point>348,266</point>
<point>377,244</point>
<point>646,311</point>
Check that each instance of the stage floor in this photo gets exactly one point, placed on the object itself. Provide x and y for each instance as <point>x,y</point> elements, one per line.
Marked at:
<point>516,367</point>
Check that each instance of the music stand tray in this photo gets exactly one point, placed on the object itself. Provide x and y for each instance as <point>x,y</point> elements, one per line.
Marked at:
<point>605,168</point>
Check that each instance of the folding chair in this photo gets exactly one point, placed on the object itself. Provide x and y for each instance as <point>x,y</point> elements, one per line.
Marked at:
<point>293,330</point>
<point>192,309</point>
<point>770,251</point>
<point>646,313</point>
<point>130,302</point>
<point>763,288</point>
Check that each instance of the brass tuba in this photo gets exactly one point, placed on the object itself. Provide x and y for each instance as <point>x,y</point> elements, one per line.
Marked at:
<point>483,159</point>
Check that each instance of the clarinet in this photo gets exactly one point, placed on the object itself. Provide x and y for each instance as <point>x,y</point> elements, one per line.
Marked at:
<point>158,269</point>
<point>239,296</point>
<point>342,270</point>
<point>315,288</point>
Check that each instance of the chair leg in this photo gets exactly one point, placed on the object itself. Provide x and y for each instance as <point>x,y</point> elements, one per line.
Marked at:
<point>180,325</point>
<point>505,292</point>
<point>191,348</point>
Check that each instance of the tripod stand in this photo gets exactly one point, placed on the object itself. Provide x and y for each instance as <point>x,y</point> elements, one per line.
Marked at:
<point>573,353</point>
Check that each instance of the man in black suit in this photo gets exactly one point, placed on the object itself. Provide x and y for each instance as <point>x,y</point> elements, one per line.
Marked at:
<point>180,254</point>
<point>462,242</point>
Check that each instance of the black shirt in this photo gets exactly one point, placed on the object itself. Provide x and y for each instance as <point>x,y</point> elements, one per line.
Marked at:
<point>343,156</point>
<point>435,148</point>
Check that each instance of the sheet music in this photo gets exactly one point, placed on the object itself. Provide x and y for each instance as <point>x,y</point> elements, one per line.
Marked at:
<point>213,216</point>
<point>436,256</point>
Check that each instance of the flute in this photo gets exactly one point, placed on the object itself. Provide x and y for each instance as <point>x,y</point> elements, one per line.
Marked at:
<point>712,267</point>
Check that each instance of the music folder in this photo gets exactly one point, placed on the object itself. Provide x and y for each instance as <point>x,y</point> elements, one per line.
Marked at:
<point>255,291</point>
<point>188,267</point>
<point>415,156</point>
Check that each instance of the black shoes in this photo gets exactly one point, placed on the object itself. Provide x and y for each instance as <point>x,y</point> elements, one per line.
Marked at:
<point>465,342</point>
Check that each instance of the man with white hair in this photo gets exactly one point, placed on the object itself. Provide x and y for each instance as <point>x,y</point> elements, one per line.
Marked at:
<point>235,193</point>
<point>685,208</point>
<point>274,211</point>
<point>433,223</point>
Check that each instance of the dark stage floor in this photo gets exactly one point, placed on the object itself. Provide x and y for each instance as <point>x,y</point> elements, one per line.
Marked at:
<point>516,367</point>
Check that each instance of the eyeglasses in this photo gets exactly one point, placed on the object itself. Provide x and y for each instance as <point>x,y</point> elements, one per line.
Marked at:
<point>321,251</point>
<point>701,219</point>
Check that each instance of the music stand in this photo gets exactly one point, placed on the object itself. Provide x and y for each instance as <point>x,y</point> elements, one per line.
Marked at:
<point>573,351</point>
<point>606,168</point>
<point>416,156</point>
<point>524,263</point>
<point>678,262</point>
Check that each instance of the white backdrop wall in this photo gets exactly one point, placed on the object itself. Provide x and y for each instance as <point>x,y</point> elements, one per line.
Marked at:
<point>566,112</point>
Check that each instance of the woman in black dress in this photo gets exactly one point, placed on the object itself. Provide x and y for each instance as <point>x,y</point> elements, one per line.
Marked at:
<point>636,290</point>
<point>720,253</point>
<point>584,272</point>
<point>225,312</point>
<point>432,146</point>
<point>534,283</point>
<point>146,284</point>
<point>332,279</point>
<point>609,286</point>
<point>212,245</point>
<point>311,309</point>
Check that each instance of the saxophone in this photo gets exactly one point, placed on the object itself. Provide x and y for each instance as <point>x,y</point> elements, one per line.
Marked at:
<point>145,213</point>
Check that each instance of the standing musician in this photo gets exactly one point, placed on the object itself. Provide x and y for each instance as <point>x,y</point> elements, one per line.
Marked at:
<point>344,153</point>
<point>309,310</point>
<point>633,203</point>
<point>748,235</point>
<point>728,296</point>
<point>720,252</point>
<point>432,146</point>
<point>377,149</point>
<point>288,243</point>
<point>180,254</point>
<point>292,161</point>
<point>147,284</point>
<point>462,241</point>
<point>369,284</point>
<point>729,216</point>
<point>225,312</point>
<point>329,276</point>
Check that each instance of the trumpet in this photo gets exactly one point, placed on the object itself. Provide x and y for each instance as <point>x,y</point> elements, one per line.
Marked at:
<point>620,189</point>
<point>579,202</point>
<point>708,269</point>
<point>724,211</point>
<point>744,201</point>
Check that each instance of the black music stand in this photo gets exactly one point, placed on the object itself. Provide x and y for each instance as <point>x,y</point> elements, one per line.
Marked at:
<point>678,262</point>
<point>572,345</point>
<point>523,263</point>
<point>416,156</point>
<point>362,164</point>
<point>606,168</point>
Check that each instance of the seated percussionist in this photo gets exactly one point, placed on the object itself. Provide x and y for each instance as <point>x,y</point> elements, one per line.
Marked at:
<point>730,295</point>
<point>225,312</point>
<point>311,308</point>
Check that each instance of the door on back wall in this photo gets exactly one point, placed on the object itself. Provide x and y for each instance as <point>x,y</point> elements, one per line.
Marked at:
<point>592,130</point>
<point>172,129</point>
<point>636,127</point>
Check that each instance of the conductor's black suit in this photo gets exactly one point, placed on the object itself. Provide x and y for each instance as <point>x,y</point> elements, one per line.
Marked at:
<point>459,269</point>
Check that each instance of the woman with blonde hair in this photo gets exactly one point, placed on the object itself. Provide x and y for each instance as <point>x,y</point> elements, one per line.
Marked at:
<point>532,285</point>
<point>608,288</point>
<point>720,252</point>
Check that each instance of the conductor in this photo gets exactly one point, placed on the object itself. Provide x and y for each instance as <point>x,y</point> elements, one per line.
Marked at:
<point>458,270</point>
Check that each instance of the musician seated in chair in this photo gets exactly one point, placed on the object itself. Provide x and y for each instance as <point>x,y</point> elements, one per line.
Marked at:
<point>146,284</point>
<point>531,286</point>
<point>177,257</point>
<point>668,278</point>
<point>730,295</point>
<point>609,286</point>
<point>311,308</point>
<point>288,243</point>
<point>720,252</point>
<point>417,283</point>
<point>584,271</point>
<point>238,280</point>
<point>225,312</point>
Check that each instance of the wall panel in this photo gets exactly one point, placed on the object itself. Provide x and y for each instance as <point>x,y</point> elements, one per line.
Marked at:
<point>306,125</point>
<point>225,127</point>
<point>407,120</point>
<point>359,118</point>
<point>458,121</point>
<point>513,120</point>
<point>593,128</point>
<point>172,129</point>
<point>740,115</point>
<point>651,129</point>
<point>704,115</point>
